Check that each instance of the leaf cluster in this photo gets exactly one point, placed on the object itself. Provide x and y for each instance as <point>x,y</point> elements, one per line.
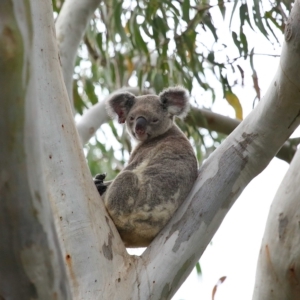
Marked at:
<point>152,43</point>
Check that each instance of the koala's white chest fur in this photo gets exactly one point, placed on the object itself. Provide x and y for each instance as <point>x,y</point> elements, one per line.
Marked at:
<point>140,170</point>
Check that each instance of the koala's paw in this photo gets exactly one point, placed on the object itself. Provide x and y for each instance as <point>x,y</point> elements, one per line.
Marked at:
<point>98,180</point>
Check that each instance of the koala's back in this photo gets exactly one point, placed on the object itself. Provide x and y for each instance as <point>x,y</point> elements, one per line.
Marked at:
<point>160,173</point>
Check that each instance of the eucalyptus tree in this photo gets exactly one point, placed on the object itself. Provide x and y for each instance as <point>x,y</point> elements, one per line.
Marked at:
<point>57,240</point>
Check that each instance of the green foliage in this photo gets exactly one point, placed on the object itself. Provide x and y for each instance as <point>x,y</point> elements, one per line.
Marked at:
<point>102,160</point>
<point>198,269</point>
<point>152,43</point>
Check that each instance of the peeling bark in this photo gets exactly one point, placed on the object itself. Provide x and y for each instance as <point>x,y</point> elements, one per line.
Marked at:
<point>278,268</point>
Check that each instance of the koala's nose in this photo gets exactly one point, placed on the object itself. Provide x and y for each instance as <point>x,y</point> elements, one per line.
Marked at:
<point>140,125</point>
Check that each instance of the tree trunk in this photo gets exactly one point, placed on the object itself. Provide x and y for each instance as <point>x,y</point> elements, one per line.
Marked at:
<point>70,27</point>
<point>278,267</point>
<point>31,264</point>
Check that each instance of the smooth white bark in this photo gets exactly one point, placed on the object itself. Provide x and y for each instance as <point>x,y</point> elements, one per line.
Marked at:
<point>31,265</point>
<point>278,267</point>
<point>54,169</point>
<point>84,228</point>
<point>70,27</point>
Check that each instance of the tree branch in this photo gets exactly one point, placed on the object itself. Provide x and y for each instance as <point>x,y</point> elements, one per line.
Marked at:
<point>31,264</point>
<point>221,124</point>
<point>84,228</point>
<point>70,27</point>
<point>277,266</point>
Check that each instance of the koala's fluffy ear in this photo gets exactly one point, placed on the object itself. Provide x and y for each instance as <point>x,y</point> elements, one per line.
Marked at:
<point>120,104</point>
<point>176,101</point>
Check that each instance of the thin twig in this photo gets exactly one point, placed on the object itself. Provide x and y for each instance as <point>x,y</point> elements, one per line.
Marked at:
<point>93,52</point>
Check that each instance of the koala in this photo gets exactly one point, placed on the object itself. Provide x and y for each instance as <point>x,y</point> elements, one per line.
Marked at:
<point>161,170</point>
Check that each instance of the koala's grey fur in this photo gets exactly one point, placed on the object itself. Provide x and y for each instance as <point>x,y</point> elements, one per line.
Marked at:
<point>161,170</point>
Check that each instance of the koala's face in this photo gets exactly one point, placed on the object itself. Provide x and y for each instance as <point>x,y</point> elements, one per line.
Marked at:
<point>148,118</point>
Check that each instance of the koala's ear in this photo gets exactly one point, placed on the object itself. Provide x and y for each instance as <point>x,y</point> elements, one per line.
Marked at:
<point>120,104</point>
<point>176,101</point>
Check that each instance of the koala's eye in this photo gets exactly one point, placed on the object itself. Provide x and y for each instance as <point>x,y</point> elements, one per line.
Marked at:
<point>154,120</point>
<point>131,118</point>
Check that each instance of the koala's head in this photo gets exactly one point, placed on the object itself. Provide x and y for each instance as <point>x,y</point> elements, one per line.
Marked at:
<point>149,116</point>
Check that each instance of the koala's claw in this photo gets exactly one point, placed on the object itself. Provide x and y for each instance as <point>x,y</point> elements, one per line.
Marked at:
<point>98,180</point>
<point>100,176</point>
